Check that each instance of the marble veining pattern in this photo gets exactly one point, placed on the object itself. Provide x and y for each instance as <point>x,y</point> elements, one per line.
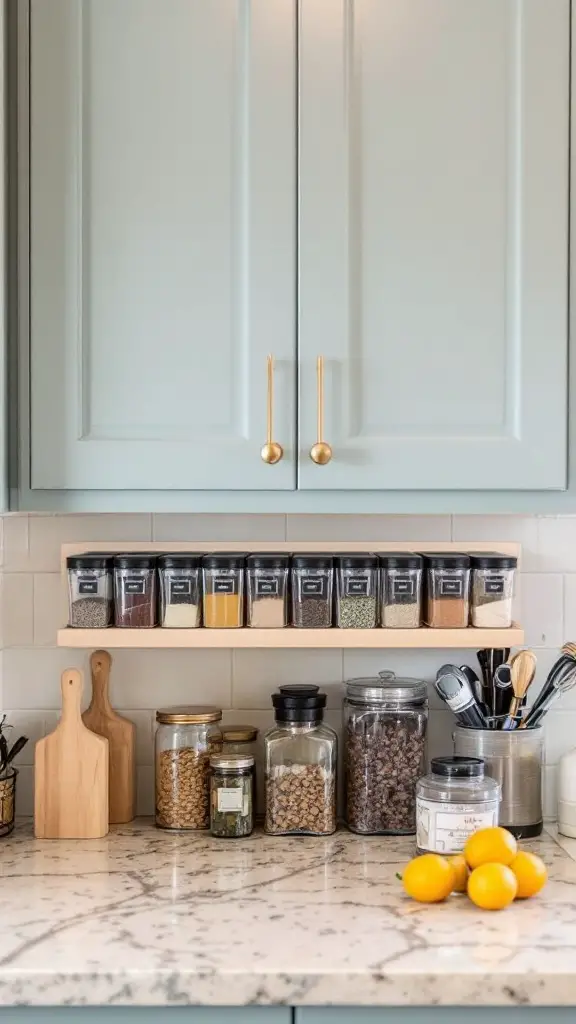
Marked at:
<point>149,918</point>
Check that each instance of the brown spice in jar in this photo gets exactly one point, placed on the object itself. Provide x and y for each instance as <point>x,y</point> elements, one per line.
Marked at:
<point>383,762</point>
<point>183,788</point>
<point>300,798</point>
<point>447,612</point>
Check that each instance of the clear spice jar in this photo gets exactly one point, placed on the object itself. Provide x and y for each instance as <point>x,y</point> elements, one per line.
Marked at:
<point>492,589</point>
<point>356,591</point>
<point>452,802</point>
<point>231,796</point>
<point>186,737</point>
<point>312,580</point>
<point>90,590</point>
<point>135,590</point>
<point>223,575</point>
<point>401,590</point>
<point>447,590</point>
<point>179,577</point>
<point>385,723</point>
<point>300,754</point>
<point>267,577</point>
<point>239,739</point>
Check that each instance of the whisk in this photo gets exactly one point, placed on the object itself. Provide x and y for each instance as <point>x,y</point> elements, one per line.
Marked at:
<point>561,679</point>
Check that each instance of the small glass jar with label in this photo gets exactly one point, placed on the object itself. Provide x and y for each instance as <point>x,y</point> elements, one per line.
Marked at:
<point>223,581</point>
<point>135,590</point>
<point>90,589</point>
<point>447,591</point>
<point>312,581</point>
<point>231,795</point>
<point>356,591</point>
<point>267,578</point>
<point>179,578</point>
<point>239,739</point>
<point>492,589</point>
<point>401,590</point>
<point>455,800</point>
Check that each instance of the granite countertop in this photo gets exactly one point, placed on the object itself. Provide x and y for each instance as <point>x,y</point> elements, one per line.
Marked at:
<point>145,917</point>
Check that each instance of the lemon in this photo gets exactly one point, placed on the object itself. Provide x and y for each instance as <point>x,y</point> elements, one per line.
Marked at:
<point>492,886</point>
<point>490,846</point>
<point>429,879</point>
<point>458,862</point>
<point>531,874</point>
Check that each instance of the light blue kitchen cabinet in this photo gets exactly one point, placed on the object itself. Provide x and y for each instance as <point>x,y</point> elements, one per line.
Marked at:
<point>435,1015</point>
<point>145,1014</point>
<point>162,242</point>
<point>434,145</point>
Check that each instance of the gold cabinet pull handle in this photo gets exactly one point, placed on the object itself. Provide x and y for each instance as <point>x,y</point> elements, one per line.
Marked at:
<point>321,452</point>
<point>271,452</point>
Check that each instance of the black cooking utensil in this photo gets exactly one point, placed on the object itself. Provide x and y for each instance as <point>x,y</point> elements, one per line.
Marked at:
<point>453,687</point>
<point>561,679</point>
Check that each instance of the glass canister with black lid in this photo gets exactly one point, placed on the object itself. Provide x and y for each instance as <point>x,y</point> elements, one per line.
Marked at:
<point>356,590</point>
<point>447,590</point>
<point>385,724</point>
<point>179,576</point>
<point>300,753</point>
<point>312,582</point>
<point>452,802</point>
<point>401,590</point>
<point>135,590</point>
<point>267,579</point>
<point>90,590</point>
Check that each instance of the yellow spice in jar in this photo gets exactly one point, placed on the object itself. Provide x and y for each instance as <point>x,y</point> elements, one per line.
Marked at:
<point>222,611</point>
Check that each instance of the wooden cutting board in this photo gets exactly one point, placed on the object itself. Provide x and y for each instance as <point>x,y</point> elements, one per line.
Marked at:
<point>120,733</point>
<point>71,774</point>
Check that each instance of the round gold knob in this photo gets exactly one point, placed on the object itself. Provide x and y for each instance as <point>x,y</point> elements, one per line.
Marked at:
<point>321,453</point>
<point>271,453</point>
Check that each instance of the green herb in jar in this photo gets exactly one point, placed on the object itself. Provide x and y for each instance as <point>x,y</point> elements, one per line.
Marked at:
<point>231,795</point>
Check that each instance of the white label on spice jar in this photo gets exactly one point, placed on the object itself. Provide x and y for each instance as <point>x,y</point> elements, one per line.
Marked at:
<point>224,586</point>
<point>313,587</point>
<point>403,586</point>
<point>87,586</point>
<point>134,584</point>
<point>230,799</point>
<point>266,586</point>
<point>444,828</point>
<point>494,585</point>
<point>180,586</point>
<point>357,586</point>
<point>451,587</point>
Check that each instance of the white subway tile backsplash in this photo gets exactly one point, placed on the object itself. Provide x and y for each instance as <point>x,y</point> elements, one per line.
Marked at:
<point>540,608</point>
<point>557,543</point>
<point>257,674</point>
<point>219,528</point>
<point>24,807</point>
<point>25,723</point>
<point>559,733</point>
<point>31,676</point>
<point>50,607</point>
<point>48,533</point>
<point>15,542</point>
<point>550,793</point>
<point>519,529</point>
<point>16,609</point>
<point>368,527</point>
<point>145,790</point>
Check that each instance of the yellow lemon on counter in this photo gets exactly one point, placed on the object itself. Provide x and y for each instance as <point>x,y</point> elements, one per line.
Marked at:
<point>531,874</point>
<point>492,886</point>
<point>490,846</point>
<point>461,872</point>
<point>429,879</point>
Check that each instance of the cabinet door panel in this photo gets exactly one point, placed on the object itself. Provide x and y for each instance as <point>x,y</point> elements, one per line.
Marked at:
<point>162,242</point>
<point>433,227</point>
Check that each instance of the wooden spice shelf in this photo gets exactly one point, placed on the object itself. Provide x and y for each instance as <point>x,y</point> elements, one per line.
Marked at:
<point>376,639</point>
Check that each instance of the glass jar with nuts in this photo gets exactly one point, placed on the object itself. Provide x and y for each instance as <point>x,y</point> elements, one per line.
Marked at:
<point>185,739</point>
<point>300,765</point>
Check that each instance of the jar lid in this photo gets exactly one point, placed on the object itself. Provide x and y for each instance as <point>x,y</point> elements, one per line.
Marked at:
<point>387,688</point>
<point>224,560</point>
<point>179,560</point>
<point>312,561</point>
<point>357,561</point>
<point>401,560</point>
<point>492,560</point>
<point>239,733</point>
<point>268,560</point>
<point>231,762</point>
<point>458,767</point>
<point>445,560</point>
<point>90,560</point>
<point>189,714</point>
<point>135,560</point>
<point>298,703</point>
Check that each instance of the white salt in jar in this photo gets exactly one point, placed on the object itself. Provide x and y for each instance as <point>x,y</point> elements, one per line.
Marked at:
<point>492,590</point>
<point>180,597</point>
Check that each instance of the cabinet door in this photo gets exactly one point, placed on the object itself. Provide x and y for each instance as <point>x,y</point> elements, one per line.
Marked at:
<point>433,230</point>
<point>162,242</point>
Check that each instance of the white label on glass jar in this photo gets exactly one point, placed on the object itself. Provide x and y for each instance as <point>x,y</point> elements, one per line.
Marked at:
<point>494,585</point>
<point>266,586</point>
<point>87,586</point>
<point>134,584</point>
<point>230,799</point>
<point>313,587</point>
<point>451,587</point>
<point>403,586</point>
<point>224,586</point>
<point>357,586</point>
<point>444,828</point>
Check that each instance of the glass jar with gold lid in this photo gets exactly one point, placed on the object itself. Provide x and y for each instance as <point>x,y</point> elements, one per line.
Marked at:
<point>239,739</point>
<point>186,736</point>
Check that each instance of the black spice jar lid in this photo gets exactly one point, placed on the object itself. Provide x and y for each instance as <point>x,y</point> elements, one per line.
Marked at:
<point>492,560</point>
<point>179,560</point>
<point>135,560</point>
<point>268,560</point>
<point>298,703</point>
<point>312,561</point>
<point>443,560</point>
<point>356,560</point>
<point>458,767</point>
<point>90,560</point>
<point>224,560</point>
<point>401,560</point>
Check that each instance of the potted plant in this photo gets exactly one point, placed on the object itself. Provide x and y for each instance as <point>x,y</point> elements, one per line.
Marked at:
<point>8,777</point>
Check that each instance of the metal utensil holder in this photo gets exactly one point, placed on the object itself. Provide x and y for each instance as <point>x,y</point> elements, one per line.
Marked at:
<point>514,759</point>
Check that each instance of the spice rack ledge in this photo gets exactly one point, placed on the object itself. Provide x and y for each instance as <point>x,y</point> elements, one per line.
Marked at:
<point>376,639</point>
